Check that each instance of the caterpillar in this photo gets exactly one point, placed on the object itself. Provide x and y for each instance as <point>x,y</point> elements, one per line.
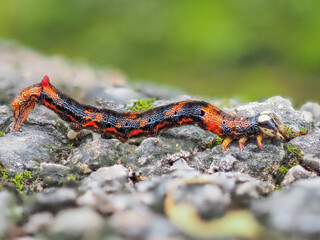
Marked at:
<point>125,125</point>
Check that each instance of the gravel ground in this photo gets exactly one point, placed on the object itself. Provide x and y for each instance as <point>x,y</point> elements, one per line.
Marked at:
<point>180,185</point>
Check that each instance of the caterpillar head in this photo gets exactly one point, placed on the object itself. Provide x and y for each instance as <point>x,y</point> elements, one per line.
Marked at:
<point>25,101</point>
<point>269,124</point>
<point>29,94</point>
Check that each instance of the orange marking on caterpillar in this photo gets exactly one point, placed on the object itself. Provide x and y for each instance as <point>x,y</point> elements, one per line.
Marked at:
<point>52,107</point>
<point>131,115</point>
<point>90,124</point>
<point>188,120</point>
<point>159,126</point>
<point>71,117</point>
<point>111,129</point>
<point>135,132</point>
<point>142,122</point>
<point>93,115</point>
<point>212,119</point>
<point>176,108</point>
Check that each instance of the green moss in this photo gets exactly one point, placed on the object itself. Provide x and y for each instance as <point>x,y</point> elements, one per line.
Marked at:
<point>295,151</point>
<point>142,104</point>
<point>291,134</point>
<point>283,170</point>
<point>1,134</point>
<point>218,140</point>
<point>72,177</point>
<point>4,173</point>
<point>277,187</point>
<point>303,131</point>
<point>57,152</point>
<point>288,131</point>
<point>20,180</point>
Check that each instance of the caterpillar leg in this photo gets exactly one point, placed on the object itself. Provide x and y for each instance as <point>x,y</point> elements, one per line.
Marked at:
<point>259,140</point>
<point>241,142</point>
<point>226,142</point>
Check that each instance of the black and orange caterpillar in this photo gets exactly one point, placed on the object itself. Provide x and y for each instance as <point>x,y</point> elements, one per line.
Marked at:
<point>125,125</point>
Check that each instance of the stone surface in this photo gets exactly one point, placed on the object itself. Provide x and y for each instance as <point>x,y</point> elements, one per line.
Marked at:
<point>312,162</point>
<point>309,143</point>
<point>115,175</point>
<point>26,149</point>
<point>157,155</point>
<point>54,199</point>
<point>5,216</point>
<point>227,163</point>
<point>78,222</point>
<point>39,222</point>
<point>53,174</point>
<point>314,109</point>
<point>282,108</point>
<point>141,224</point>
<point>97,199</point>
<point>296,173</point>
<point>99,153</point>
<point>294,210</point>
<point>5,116</point>
<point>245,161</point>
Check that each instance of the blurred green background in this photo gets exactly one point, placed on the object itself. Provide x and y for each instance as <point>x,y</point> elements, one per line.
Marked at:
<point>236,48</point>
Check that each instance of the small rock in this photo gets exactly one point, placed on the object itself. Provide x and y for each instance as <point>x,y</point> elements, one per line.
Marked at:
<point>38,222</point>
<point>230,181</point>
<point>29,238</point>
<point>314,109</point>
<point>5,116</point>
<point>180,164</point>
<point>132,221</point>
<point>265,188</point>
<point>251,160</point>
<point>312,162</point>
<point>100,153</point>
<point>309,143</point>
<point>53,174</point>
<point>142,224</point>
<point>296,173</point>
<point>55,199</point>
<point>210,202</point>
<point>294,210</point>
<point>97,200</point>
<point>77,222</point>
<point>225,164</point>
<point>248,189</point>
<point>115,175</point>
<point>5,216</point>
